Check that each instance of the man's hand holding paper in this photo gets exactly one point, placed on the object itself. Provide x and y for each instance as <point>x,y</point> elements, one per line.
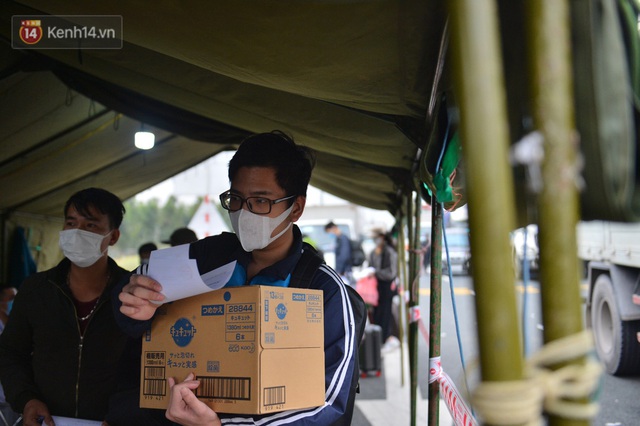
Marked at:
<point>170,275</point>
<point>180,276</point>
<point>141,297</point>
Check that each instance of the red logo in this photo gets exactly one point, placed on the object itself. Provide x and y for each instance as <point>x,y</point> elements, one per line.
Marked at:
<point>30,31</point>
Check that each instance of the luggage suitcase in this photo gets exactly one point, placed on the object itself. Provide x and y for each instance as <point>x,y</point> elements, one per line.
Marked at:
<point>371,351</point>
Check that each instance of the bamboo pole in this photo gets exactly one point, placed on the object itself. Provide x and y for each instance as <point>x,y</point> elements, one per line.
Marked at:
<point>479,85</point>
<point>435,305</point>
<point>549,40</point>
<point>414,301</point>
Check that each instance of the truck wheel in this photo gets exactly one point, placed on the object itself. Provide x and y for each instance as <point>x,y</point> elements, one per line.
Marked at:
<point>615,340</point>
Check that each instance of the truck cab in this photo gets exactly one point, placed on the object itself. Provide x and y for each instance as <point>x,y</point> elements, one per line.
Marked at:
<point>611,255</point>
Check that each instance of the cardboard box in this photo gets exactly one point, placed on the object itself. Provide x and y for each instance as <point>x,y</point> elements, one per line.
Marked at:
<point>255,349</point>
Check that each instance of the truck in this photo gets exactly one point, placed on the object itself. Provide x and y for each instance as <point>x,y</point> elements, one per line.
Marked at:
<point>610,252</point>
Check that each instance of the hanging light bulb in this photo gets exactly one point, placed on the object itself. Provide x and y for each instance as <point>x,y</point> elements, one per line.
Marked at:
<point>144,139</point>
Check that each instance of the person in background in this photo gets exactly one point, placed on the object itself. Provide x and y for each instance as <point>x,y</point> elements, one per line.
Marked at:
<point>384,260</point>
<point>181,236</point>
<point>144,251</point>
<point>7,295</point>
<point>269,175</point>
<point>20,261</point>
<point>60,349</point>
<point>342,251</point>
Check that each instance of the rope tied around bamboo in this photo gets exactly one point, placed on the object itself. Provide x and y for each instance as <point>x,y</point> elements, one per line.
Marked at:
<point>544,389</point>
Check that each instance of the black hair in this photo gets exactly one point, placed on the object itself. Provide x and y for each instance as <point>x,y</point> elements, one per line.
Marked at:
<point>389,240</point>
<point>386,236</point>
<point>329,226</point>
<point>102,200</point>
<point>147,247</point>
<point>293,163</point>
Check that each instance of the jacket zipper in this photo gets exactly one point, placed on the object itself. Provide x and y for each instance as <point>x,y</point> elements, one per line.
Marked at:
<point>79,365</point>
<point>80,345</point>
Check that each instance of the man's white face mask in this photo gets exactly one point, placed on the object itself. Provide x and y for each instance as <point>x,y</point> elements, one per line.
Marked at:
<point>83,248</point>
<point>254,230</point>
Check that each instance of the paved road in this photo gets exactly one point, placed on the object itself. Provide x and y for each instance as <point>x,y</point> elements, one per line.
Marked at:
<point>385,400</point>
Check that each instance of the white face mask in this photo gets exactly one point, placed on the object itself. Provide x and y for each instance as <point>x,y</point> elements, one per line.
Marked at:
<point>254,230</point>
<point>83,248</point>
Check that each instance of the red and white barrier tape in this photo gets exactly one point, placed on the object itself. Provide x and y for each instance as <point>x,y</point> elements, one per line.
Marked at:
<point>460,412</point>
<point>414,313</point>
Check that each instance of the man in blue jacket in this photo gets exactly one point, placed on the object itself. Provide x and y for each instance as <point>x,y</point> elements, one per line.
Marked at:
<point>269,175</point>
<point>342,251</point>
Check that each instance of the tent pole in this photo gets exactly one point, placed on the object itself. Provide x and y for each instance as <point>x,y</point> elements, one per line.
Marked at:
<point>549,40</point>
<point>479,84</point>
<point>414,259</point>
<point>414,298</point>
<point>435,305</point>
<point>402,280</point>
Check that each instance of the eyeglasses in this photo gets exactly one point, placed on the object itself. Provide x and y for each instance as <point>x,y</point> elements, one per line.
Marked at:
<point>257,205</point>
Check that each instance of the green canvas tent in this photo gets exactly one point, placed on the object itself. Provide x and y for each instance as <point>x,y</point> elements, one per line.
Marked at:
<point>366,83</point>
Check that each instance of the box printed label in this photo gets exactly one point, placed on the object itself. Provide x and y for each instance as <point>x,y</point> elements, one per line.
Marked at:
<point>154,383</point>
<point>240,322</point>
<point>281,311</point>
<point>212,310</point>
<point>217,387</point>
<point>314,308</point>
<point>182,332</point>
<point>298,297</point>
<point>274,396</point>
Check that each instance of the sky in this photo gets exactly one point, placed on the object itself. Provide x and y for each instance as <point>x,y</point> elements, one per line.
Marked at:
<point>208,177</point>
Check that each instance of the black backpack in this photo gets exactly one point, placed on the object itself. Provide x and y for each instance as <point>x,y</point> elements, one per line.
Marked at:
<point>357,252</point>
<point>301,278</point>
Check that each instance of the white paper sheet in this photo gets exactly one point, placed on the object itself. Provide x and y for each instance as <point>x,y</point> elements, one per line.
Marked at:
<point>66,421</point>
<point>179,275</point>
